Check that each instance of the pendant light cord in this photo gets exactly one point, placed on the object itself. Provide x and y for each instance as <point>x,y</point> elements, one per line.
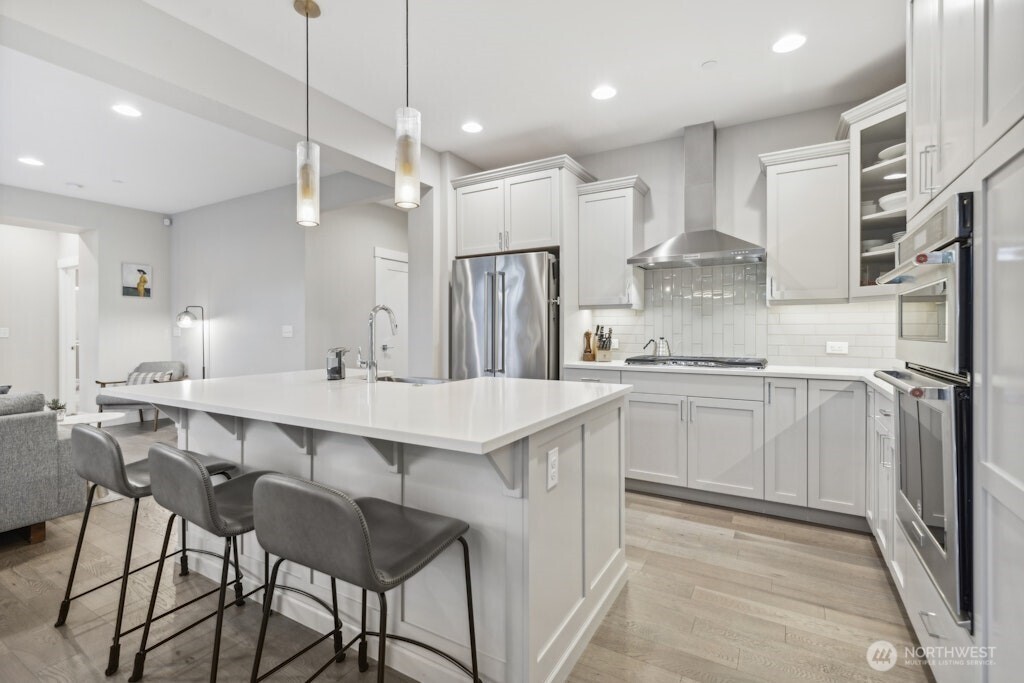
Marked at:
<point>307,72</point>
<point>406,54</point>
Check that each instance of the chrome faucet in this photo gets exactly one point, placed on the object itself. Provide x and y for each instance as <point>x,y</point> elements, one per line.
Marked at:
<point>371,363</point>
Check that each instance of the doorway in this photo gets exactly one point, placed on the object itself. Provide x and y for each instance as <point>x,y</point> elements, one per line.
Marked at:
<point>69,368</point>
<point>391,288</point>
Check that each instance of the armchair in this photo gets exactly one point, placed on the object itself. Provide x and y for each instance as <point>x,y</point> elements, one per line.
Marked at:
<point>144,373</point>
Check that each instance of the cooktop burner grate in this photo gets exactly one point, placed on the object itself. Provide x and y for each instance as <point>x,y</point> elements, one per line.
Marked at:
<point>699,361</point>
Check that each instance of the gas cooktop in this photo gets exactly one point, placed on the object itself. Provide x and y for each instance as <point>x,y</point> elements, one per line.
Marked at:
<point>699,361</point>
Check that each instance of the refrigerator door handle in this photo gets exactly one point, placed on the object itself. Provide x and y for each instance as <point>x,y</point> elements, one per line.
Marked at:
<point>501,274</point>
<point>492,280</point>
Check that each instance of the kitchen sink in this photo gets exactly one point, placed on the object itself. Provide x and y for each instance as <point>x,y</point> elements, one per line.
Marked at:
<point>413,380</point>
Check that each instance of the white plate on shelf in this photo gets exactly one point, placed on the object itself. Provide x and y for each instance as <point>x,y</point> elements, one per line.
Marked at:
<point>896,200</point>
<point>868,245</point>
<point>882,247</point>
<point>893,152</point>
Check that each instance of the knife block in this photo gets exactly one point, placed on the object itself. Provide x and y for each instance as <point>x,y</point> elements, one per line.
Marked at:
<point>603,355</point>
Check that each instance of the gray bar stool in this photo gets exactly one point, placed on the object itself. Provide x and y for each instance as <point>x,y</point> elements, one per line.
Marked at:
<point>181,483</point>
<point>98,459</point>
<point>371,543</point>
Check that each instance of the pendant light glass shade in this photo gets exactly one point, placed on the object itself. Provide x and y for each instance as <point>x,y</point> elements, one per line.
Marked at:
<point>407,158</point>
<point>307,184</point>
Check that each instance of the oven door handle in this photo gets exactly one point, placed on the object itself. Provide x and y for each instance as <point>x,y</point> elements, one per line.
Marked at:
<point>928,393</point>
<point>927,258</point>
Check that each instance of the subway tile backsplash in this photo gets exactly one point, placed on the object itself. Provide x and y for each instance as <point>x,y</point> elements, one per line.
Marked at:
<point>722,311</point>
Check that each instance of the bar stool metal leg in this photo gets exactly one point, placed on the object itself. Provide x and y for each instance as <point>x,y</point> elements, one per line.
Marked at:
<point>114,658</point>
<point>220,607</point>
<point>382,637</point>
<point>339,638</point>
<point>268,598</point>
<point>65,604</point>
<point>184,548</point>
<point>469,604</point>
<point>140,656</point>
<point>239,601</point>
<point>363,663</point>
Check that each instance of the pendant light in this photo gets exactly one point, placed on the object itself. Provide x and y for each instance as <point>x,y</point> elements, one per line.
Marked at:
<point>307,154</point>
<point>407,142</point>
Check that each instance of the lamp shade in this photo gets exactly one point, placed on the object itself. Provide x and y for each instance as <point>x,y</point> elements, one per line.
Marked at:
<point>307,184</point>
<point>186,319</point>
<point>407,158</point>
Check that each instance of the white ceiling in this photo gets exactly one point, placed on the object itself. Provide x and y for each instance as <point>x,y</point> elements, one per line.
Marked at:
<point>524,69</point>
<point>168,160</point>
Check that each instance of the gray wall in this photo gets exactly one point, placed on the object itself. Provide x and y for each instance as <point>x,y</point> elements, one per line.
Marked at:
<point>245,260</point>
<point>741,197</point>
<point>28,308</point>
<point>340,275</point>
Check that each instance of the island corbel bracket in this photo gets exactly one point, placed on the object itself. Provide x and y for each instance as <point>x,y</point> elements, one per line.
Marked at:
<point>179,416</point>
<point>302,437</point>
<point>231,424</point>
<point>389,451</point>
<point>508,463</point>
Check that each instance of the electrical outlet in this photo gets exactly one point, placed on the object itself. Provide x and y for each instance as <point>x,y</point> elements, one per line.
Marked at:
<point>837,347</point>
<point>552,468</point>
<point>286,331</point>
<point>615,344</point>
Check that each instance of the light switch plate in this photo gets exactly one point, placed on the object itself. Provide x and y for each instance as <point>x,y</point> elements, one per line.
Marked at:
<point>286,331</point>
<point>5,332</point>
<point>837,347</point>
<point>552,468</point>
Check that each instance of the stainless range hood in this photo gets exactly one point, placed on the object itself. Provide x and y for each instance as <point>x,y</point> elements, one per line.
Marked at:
<point>701,244</point>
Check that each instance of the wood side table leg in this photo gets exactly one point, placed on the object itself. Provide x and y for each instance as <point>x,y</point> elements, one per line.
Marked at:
<point>35,533</point>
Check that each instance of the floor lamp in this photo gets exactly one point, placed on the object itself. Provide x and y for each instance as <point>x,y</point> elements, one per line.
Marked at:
<point>188,319</point>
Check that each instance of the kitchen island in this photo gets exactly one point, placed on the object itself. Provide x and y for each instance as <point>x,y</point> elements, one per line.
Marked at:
<point>535,467</point>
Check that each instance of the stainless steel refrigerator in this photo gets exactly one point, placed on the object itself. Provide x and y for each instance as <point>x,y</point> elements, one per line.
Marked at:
<point>504,316</point>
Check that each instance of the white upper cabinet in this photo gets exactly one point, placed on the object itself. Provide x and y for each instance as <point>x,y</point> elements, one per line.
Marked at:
<point>517,208</point>
<point>725,446</point>
<point>532,209</point>
<point>808,223</point>
<point>611,222</point>
<point>481,212</point>
<point>999,50</point>
<point>785,440</point>
<point>836,420</point>
<point>941,99</point>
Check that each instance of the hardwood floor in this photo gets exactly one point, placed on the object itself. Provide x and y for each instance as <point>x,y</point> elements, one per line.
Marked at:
<point>713,595</point>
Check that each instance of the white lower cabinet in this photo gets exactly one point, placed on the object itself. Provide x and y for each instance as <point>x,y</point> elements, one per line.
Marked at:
<point>657,438</point>
<point>725,446</point>
<point>785,440</point>
<point>836,415</point>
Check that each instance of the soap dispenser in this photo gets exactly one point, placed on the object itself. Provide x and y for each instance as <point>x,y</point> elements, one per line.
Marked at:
<point>336,362</point>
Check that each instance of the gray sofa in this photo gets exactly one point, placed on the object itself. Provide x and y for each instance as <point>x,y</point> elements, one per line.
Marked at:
<point>37,478</point>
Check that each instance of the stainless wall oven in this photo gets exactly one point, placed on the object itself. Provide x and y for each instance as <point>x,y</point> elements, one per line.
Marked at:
<point>933,397</point>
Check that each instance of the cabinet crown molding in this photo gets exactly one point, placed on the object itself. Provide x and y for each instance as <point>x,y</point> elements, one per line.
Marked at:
<point>633,182</point>
<point>875,105</point>
<point>561,161</point>
<point>786,156</point>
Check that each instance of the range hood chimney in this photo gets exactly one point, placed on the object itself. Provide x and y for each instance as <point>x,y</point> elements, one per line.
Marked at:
<point>701,244</point>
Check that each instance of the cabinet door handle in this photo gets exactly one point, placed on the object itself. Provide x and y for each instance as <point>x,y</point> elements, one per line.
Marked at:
<point>691,411</point>
<point>926,620</point>
<point>589,379</point>
<point>921,178</point>
<point>507,240</point>
<point>499,240</point>
<point>769,393</point>
<point>932,151</point>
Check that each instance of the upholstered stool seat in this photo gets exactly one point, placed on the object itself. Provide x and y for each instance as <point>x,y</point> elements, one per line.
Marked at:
<point>98,459</point>
<point>368,542</point>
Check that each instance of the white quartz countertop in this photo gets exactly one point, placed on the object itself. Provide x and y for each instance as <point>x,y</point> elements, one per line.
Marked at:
<point>476,415</point>
<point>866,375</point>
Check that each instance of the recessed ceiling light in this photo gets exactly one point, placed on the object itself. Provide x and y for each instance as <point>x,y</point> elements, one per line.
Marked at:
<point>126,110</point>
<point>603,92</point>
<point>788,43</point>
<point>30,161</point>
<point>895,176</point>
<point>472,127</point>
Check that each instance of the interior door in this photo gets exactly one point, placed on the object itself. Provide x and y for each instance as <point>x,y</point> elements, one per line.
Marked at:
<point>392,289</point>
<point>525,324</point>
<point>472,322</point>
